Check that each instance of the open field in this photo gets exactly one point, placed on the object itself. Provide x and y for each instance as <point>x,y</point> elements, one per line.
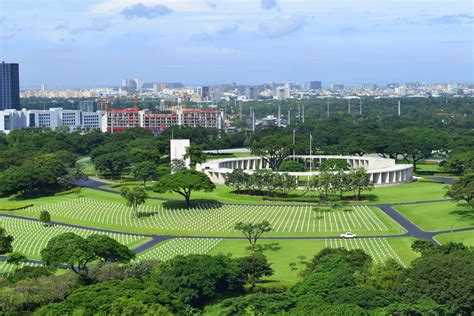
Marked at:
<point>410,192</point>
<point>466,237</point>
<point>31,237</point>
<point>438,216</point>
<point>216,220</point>
<point>283,252</point>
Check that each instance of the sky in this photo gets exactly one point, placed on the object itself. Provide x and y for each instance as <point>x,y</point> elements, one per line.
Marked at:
<point>98,42</point>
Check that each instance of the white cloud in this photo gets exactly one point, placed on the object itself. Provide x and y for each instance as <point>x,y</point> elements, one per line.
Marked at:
<point>282,26</point>
<point>140,10</point>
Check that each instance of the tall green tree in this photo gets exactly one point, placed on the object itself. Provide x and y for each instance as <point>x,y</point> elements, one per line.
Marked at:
<point>360,181</point>
<point>253,232</point>
<point>272,149</point>
<point>135,196</point>
<point>145,171</point>
<point>5,241</point>
<point>195,154</point>
<point>463,189</point>
<point>184,182</point>
<point>237,179</point>
<point>77,252</point>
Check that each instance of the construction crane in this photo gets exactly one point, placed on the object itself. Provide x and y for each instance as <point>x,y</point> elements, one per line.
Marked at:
<point>104,102</point>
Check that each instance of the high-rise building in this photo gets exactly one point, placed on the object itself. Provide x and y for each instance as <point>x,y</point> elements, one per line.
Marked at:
<point>337,87</point>
<point>251,93</point>
<point>314,85</point>
<point>129,85</point>
<point>203,92</point>
<point>87,106</point>
<point>9,86</point>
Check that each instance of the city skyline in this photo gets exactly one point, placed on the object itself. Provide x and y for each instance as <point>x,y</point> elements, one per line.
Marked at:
<point>87,43</point>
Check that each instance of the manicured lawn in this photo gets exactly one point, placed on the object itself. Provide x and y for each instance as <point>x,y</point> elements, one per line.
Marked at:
<point>218,220</point>
<point>439,215</point>
<point>466,238</point>
<point>410,192</point>
<point>283,252</point>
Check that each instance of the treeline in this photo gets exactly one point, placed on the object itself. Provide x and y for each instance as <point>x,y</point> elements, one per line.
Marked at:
<point>333,282</point>
<point>41,161</point>
<point>328,184</point>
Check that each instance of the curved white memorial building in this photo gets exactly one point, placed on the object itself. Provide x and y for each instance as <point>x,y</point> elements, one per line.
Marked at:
<point>382,171</point>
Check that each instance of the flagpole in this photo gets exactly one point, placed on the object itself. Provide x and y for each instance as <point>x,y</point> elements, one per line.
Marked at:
<point>310,152</point>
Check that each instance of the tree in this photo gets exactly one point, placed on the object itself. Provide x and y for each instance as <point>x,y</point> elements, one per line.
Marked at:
<point>272,149</point>
<point>334,164</point>
<point>420,143</point>
<point>145,171</point>
<point>195,279</point>
<point>463,189</point>
<point>195,154</point>
<point>78,252</point>
<point>177,164</point>
<point>45,217</point>
<point>5,241</point>
<point>16,258</point>
<point>360,181</point>
<point>253,232</point>
<point>135,196</point>
<point>443,275</point>
<point>291,166</point>
<point>113,163</point>
<point>70,249</point>
<point>73,175</point>
<point>253,268</point>
<point>237,179</point>
<point>184,182</point>
<point>284,182</point>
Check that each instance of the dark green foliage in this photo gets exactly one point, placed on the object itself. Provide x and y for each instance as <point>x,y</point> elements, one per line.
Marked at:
<point>135,196</point>
<point>145,171</point>
<point>16,258</point>
<point>291,166</point>
<point>77,252</point>
<point>5,241</point>
<point>272,149</point>
<point>184,182</point>
<point>111,296</point>
<point>463,190</point>
<point>195,279</point>
<point>253,268</point>
<point>258,304</point>
<point>45,217</point>
<point>443,275</point>
<point>334,165</point>
<point>29,272</point>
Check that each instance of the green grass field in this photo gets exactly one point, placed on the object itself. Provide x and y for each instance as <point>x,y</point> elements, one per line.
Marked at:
<point>466,237</point>
<point>410,192</point>
<point>439,216</point>
<point>281,253</point>
<point>218,220</point>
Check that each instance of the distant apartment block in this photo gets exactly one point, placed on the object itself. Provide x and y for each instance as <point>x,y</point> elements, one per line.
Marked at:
<point>315,85</point>
<point>52,118</point>
<point>119,120</point>
<point>9,86</point>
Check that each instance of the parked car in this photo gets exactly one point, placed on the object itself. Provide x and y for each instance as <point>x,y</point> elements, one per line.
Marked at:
<point>348,235</point>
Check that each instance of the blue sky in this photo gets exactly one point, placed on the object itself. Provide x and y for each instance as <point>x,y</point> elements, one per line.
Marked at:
<point>98,42</point>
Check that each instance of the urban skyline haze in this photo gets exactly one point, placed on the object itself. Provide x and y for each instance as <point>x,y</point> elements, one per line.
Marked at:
<point>98,42</point>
